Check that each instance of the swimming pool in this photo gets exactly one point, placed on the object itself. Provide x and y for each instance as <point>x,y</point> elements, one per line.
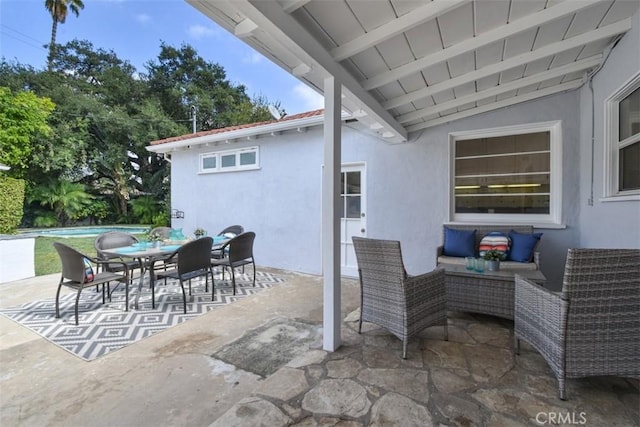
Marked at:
<point>84,231</point>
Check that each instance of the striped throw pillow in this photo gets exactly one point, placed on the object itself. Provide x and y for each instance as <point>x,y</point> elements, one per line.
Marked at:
<point>496,241</point>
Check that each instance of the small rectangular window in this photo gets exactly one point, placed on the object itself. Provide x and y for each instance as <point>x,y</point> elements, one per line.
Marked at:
<point>622,142</point>
<point>209,162</point>
<point>229,160</point>
<point>248,158</point>
<point>504,175</point>
<point>507,174</point>
<point>630,167</point>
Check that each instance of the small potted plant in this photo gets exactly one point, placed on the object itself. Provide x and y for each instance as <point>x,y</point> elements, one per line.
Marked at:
<point>154,238</point>
<point>199,232</point>
<point>493,259</point>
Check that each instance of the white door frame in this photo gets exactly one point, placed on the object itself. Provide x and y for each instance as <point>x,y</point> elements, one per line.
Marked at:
<point>353,226</point>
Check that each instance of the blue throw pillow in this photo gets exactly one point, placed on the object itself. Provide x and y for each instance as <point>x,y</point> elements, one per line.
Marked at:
<point>459,242</point>
<point>522,246</point>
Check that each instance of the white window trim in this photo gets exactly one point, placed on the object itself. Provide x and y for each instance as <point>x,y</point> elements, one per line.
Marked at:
<point>219,154</point>
<point>612,146</point>
<point>554,218</point>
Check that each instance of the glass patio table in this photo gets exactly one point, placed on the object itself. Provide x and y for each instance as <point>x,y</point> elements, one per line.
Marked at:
<point>147,254</point>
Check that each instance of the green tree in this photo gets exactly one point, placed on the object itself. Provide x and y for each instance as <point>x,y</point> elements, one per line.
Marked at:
<point>59,9</point>
<point>107,113</point>
<point>23,116</point>
<point>145,208</point>
<point>67,200</point>
<point>182,80</point>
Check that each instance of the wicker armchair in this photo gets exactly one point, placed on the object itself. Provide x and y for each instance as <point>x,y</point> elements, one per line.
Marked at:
<point>402,304</point>
<point>592,327</point>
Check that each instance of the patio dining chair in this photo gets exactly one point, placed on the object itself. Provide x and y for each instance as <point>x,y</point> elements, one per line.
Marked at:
<point>237,252</point>
<point>77,275</point>
<point>115,239</point>
<point>191,260</point>
<point>389,297</point>
<point>591,328</point>
<point>165,233</point>
<point>229,232</point>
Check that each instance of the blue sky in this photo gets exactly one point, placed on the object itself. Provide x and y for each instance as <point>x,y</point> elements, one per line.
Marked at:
<point>134,30</point>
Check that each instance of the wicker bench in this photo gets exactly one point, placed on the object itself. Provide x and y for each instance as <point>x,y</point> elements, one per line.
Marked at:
<point>481,231</point>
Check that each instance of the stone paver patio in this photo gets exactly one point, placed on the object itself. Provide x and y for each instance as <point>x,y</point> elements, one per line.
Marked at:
<point>472,379</point>
<point>171,378</point>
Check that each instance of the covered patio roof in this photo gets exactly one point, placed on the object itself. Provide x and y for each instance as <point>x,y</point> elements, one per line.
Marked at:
<point>402,66</point>
<point>407,65</point>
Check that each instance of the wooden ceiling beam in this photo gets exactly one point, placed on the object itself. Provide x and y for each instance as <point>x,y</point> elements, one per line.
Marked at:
<point>399,25</point>
<point>581,65</point>
<point>484,39</point>
<point>291,6</point>
<point>574,84</point>
<point>543,52</point>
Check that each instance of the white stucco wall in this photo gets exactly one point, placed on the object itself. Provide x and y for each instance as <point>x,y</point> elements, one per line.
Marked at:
<point>16,258</point>
<point>408,192</point>
<point>407,189</point>
<point>607,224</point>
<point>280,202</point>
<point>407,184</point>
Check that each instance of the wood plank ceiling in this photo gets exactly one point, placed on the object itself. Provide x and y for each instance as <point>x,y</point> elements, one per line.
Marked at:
<point>407,65</point>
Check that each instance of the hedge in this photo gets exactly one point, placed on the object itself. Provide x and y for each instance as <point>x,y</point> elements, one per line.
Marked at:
<point>11,204</point>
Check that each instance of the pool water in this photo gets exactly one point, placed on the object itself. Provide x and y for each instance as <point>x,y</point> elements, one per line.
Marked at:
<point>84,231</point>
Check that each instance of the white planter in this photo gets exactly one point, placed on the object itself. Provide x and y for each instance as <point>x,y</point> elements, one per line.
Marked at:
<point>17,258</point>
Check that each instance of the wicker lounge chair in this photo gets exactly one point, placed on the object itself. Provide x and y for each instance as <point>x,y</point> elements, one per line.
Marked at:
<point>402,304</point>
<point>592,327</point>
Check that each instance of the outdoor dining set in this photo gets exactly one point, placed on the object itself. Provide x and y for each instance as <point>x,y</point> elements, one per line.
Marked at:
<point>172,256</point>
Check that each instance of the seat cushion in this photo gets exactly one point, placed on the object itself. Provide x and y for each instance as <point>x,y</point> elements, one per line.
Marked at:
<point>460,243</point>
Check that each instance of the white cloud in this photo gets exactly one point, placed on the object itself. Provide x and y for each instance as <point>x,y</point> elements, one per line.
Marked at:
<point>252,58</point>
<point>200,31</point>
<point>311,99</point>
<point>143,18</point>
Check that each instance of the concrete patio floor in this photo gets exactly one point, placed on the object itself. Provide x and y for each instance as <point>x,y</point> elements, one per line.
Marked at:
<point>170,379</point>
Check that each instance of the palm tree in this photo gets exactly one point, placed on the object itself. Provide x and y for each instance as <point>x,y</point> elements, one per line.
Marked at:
<point>67,200</point>
<point>59,10</point>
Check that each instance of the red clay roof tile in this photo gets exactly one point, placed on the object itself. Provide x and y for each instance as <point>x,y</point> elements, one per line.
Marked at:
<point>232,128</point>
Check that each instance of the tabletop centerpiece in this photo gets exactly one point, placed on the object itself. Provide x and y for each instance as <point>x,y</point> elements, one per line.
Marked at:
<point>493,258</point>
<point>154,238</point>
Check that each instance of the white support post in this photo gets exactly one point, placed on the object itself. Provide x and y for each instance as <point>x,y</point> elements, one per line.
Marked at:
<point>331,214</point>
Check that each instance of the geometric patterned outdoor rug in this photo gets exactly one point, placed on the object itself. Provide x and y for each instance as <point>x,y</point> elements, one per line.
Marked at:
<point>104,328</point>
